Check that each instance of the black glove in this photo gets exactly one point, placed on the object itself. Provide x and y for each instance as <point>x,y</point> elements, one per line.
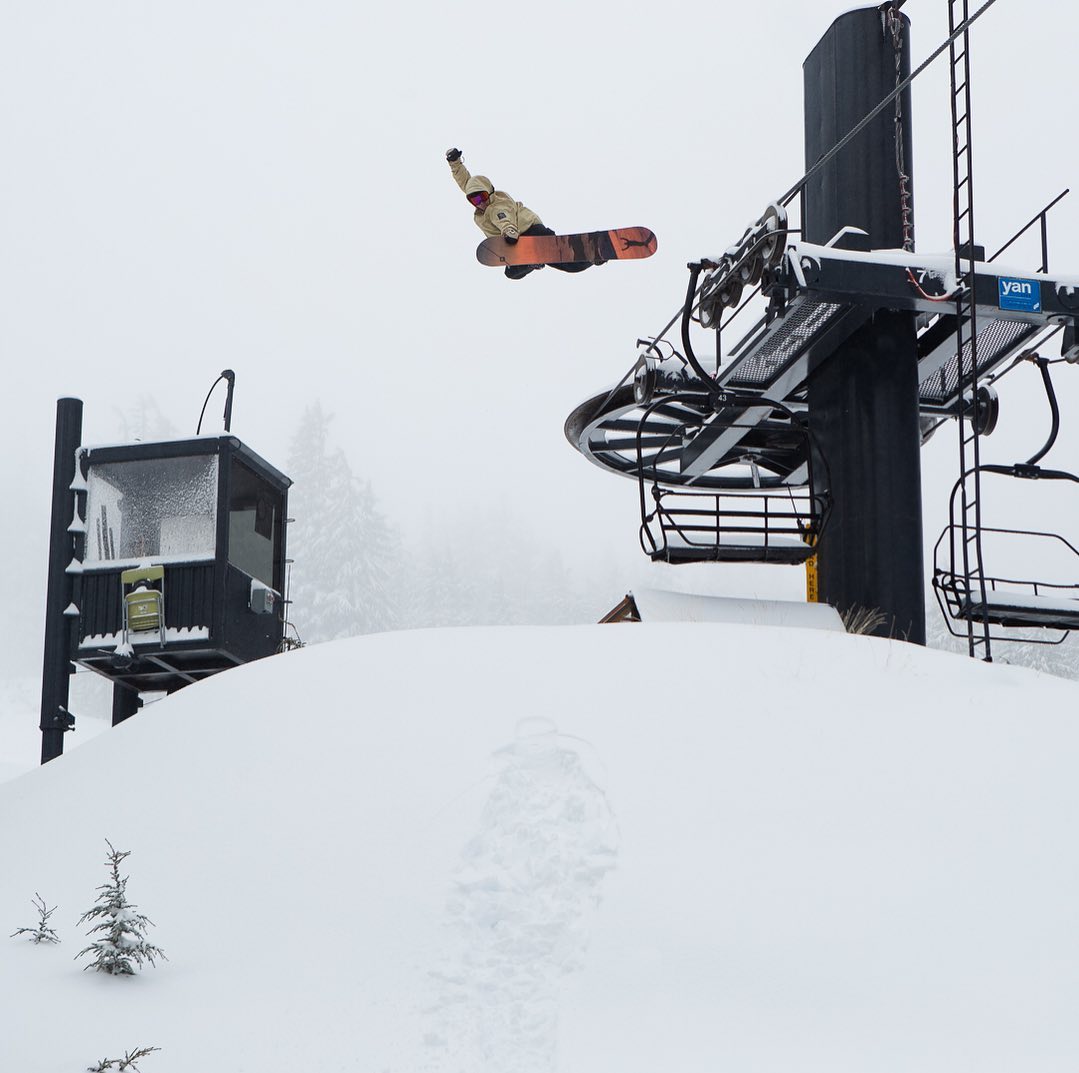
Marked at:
<point>510,235</point>
<point>453,154</point>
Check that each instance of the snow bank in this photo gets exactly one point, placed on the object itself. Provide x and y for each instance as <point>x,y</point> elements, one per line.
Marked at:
<point>658,605</point>
<point>706,847</point>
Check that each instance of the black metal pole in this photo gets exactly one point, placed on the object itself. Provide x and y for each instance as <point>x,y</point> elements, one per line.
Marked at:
<point>56,665</point>
<point>851,69</point>
<point>230,380</point>
<point>125,703</point>
<point>863,399</point>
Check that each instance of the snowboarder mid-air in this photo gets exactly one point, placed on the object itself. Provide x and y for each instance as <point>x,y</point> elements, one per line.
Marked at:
<point>497,215</point>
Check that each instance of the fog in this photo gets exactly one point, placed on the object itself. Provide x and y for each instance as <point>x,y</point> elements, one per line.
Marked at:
<point>262,187</point>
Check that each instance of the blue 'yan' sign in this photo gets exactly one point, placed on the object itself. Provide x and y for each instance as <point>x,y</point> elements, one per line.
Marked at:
<point>1024,295</point>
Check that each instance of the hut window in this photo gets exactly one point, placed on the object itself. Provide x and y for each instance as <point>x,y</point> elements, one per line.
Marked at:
<point>159,508</point>
<point>254,510</point>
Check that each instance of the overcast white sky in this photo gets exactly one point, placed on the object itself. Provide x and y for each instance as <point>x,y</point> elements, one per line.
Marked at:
<point>262,186</point>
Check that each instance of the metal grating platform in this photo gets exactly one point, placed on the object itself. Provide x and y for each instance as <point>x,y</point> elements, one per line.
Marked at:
<point>819,297</point>
<point>790,338</point>
<point>996,341</point>
<point>830,292</point>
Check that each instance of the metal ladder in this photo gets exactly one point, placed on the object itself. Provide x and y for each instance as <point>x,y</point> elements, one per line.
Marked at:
<point>966,327</point>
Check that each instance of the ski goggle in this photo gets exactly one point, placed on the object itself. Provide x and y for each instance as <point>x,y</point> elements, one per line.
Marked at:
<point>478,198</point>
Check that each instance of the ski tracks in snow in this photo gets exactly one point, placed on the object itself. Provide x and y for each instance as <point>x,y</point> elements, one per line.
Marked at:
<point>519,914</point>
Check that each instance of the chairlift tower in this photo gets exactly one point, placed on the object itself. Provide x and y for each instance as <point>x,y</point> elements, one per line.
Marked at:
<point>807,430</point>
<point>862,397</point>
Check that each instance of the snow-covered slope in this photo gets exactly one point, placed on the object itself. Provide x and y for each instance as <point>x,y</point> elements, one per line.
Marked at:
<point>613,848</point>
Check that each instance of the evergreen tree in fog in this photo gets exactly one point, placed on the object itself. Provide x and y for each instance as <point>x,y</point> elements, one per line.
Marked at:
<point>475,564</point>
<point>344,551</point>
<point>145,421</point>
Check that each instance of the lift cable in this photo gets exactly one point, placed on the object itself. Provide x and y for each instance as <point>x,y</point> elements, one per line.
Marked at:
<point>846,139</point>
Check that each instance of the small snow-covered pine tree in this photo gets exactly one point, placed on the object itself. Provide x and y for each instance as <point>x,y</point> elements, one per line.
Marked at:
<point>122,1064</point>
<point>122,947</point>
<point>145,420</point>
<point>43,933</point>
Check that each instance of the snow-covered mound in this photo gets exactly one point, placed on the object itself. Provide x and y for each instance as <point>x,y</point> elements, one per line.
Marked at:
<point>628,848</point>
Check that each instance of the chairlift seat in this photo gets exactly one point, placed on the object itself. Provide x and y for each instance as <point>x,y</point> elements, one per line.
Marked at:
<point>757,516</point>
<point>144,598</point>
<point>744,548</point>
<point>1018,609</point>
<point>755,527</point>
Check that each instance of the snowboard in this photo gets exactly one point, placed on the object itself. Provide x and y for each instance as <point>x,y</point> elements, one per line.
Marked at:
<point>592,247</point>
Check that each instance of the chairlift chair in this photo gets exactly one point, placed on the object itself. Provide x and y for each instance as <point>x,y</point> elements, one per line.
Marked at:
<point>143,601</point>
<point>992,597</point>
<point>756,508</point>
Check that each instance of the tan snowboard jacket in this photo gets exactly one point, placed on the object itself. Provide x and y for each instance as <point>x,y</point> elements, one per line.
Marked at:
<point>501,210</point>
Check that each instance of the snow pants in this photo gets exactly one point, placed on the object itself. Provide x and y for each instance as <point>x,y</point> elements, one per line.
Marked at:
<point>520,271</point>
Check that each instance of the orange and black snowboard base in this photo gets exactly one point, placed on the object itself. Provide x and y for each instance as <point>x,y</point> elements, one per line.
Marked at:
<point>592,247</point>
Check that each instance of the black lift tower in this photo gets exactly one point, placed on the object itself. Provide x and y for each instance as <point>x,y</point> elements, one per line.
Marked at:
<point>800,442</point>
<point>863,397</point>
